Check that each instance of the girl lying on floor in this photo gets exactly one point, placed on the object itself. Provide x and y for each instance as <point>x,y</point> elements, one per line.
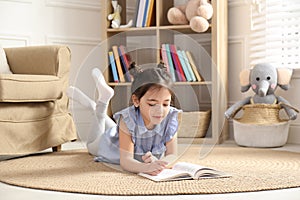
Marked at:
<point>143,136</point>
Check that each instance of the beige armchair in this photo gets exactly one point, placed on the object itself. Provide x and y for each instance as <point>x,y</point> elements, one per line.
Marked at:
<point>33,106</point>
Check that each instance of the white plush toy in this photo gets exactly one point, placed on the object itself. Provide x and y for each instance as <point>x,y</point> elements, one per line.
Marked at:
<point>115,17</point>
<point>196,13</point>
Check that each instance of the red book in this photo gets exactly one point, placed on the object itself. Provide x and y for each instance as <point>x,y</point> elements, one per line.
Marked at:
<point>125,63</point>
<point>127,59</point>
<point>177,63</point>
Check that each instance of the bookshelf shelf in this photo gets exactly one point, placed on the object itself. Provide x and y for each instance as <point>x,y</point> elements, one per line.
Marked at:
<point>180,28</point>
<point>176,83</point>
<point>119,30</point>
<point>161,32</point>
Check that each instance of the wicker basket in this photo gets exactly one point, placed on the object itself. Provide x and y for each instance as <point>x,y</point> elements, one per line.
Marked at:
<point>261,114</point>
<point>193,124</point>
<point>261,126</point>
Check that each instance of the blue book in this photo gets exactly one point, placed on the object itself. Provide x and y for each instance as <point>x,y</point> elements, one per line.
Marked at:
<point>113,66</point>
<point>140,16</point>
<point>145,13</point>
<point>171,65</point>
<point>184,66</point>
<point>189,67</point>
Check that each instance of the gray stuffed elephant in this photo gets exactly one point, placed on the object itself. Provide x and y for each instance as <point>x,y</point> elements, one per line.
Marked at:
<point>264,79</point>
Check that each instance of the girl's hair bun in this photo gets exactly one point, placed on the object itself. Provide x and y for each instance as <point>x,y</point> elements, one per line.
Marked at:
<point>134,70</point>
<point>152,75</point>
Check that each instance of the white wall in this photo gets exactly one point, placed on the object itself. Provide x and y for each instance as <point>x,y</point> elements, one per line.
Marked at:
<point>77,23</point>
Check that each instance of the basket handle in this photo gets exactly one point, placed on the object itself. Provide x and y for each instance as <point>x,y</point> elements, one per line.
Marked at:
<point>288,105</point>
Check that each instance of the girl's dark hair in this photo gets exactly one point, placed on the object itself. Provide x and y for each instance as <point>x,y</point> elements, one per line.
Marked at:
<point>154,75</point>
<point>150,78</point>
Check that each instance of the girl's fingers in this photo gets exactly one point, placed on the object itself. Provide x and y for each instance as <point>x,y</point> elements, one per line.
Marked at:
<point>146,156</point>
<point>162,163</point>
<point>148,160</point>
<point>154,173</point>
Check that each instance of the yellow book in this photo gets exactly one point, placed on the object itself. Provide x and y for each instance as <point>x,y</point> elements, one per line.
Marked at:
<point>193,65</point>
<point>150,13</point>
<point>118,63</point>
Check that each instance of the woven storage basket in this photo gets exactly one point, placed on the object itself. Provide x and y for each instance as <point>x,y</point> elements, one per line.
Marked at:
<point>193,124</point>
<point>261,126</point>
<point>261,114</point>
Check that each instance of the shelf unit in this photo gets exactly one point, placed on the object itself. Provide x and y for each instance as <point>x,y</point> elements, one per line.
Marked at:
<point>147,50</point>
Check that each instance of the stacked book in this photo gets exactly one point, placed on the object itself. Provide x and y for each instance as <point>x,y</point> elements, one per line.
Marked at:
<point>144,13</point>
<point>180,64</point>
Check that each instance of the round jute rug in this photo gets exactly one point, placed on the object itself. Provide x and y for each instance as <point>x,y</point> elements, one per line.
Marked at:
<point>75,171</point>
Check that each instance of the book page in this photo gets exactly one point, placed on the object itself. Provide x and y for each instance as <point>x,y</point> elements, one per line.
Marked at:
<point>188,167</point>
<point>198,171</point>
<point>183,170</point>
<point>167,175</point>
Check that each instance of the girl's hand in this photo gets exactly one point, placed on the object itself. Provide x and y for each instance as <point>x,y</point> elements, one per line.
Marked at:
<point>155,167</point>
<point>148,157</point>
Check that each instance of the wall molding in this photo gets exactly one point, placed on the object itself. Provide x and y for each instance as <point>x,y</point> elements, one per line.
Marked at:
<point>237,3</point>
<point>242,40</point>
<point>93,5</point>
<point>85,41</point>
<point>26,39</point>
<point>17,1</point>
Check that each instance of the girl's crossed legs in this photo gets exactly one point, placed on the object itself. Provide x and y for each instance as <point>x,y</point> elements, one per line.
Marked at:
<point>101,121</point>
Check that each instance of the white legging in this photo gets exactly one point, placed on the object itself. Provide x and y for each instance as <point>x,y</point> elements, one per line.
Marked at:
<point>101,123</point>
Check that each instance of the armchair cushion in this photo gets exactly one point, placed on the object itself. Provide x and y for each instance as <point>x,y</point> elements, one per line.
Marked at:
<point>41,60</point>
<point>29,88</point>
<point>26,112</point>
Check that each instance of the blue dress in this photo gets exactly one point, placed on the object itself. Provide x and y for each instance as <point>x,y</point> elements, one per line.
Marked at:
<point>144,140</point>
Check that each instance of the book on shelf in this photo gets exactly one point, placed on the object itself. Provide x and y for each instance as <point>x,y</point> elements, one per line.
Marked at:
<point>166,57</point>
<point>144,13</point>
<point>113,66</point>
<point>137,4</point>
<point>125,63</point>
<point>175,73</point>
<point>184,66</point>
<point>184,170</point>
<point>140,13</point>
<point>118,64</point>
<point>193,65</point>
<point>150,16</point>
<point>180,64</point>
<point>188,66</point>
<point>177,64</point>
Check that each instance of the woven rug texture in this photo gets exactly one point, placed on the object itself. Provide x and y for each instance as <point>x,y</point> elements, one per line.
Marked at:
<point>75,171</point>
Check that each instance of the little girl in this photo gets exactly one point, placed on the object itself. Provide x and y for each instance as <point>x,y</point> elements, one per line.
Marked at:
<point>143,135</point>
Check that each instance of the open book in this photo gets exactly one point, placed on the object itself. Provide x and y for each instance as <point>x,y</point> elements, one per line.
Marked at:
<point>183,170</point>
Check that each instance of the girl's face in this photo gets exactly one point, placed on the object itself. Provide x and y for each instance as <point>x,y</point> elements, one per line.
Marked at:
<point>154,105</point>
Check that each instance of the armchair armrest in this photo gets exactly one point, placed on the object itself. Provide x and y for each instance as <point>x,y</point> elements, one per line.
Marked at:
<point>39,60</point>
